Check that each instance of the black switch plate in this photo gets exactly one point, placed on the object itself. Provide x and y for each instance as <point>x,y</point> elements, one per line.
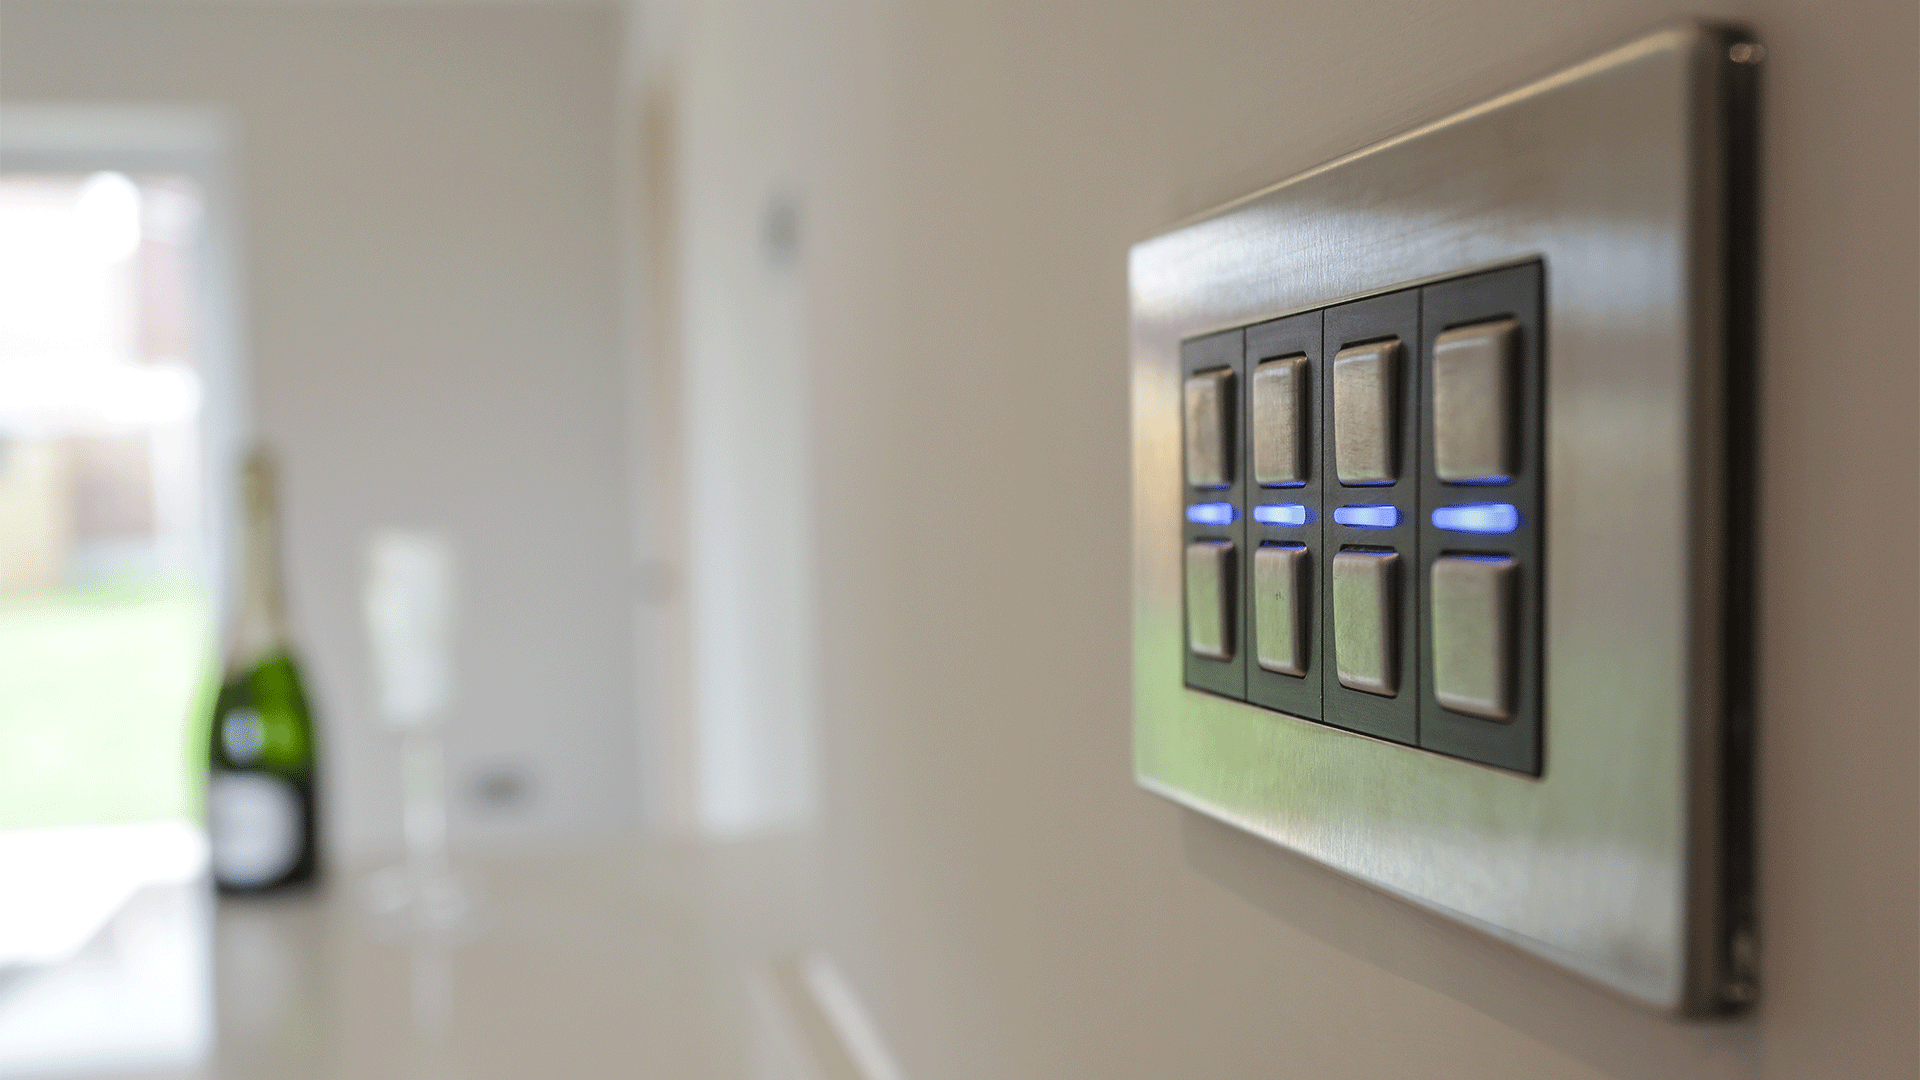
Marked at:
<point>1513,293</point>
<point>1414,317</point>
<point>1393,316</point>
<point>1296,335</point>
<point>1215,351</point>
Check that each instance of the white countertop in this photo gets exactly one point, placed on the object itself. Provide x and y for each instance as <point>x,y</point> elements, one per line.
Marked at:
<point>626,960</point>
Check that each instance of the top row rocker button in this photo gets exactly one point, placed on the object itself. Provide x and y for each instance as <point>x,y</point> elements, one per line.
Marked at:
<point>1366,413</point>
<point>1209,429</point>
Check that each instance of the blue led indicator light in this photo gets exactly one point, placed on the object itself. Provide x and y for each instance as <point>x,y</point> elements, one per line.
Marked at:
<point>1367,517</point>
<point>1477,518</point>
<point>1217,513</point>
<point>1282,514</point>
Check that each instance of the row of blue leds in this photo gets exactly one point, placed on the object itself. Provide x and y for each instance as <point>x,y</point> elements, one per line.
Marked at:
<point>1484,518</point>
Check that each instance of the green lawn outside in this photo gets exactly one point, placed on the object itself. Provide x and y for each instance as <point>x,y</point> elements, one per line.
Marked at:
<point>99,690</point>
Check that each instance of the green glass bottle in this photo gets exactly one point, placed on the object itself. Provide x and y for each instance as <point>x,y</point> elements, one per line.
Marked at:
<point>262,828</point>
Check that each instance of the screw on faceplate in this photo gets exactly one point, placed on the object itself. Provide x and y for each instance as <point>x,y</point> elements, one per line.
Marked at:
<point>1747,52</point>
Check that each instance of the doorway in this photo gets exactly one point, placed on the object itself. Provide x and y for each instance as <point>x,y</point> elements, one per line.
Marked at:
<point>118,422</point>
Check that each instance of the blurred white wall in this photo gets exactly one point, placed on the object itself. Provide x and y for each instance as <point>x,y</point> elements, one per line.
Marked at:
<point>1004,898</point>
<point>428,234</point>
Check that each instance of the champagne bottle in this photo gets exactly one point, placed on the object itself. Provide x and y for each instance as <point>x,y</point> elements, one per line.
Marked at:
<point>261,825</point>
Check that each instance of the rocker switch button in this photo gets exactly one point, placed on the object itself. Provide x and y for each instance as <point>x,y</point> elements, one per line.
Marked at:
<point>1209,435</point>
<point>1366,634</point>
<point>1366,413</point>
<point>1280,584</point>
<point>1210,591</point>
<point>1473,403</point>
<point>1280,423</point>
<point>1473,634</point>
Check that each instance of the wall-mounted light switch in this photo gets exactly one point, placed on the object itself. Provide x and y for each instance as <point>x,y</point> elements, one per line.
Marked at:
<point>1439,575</point>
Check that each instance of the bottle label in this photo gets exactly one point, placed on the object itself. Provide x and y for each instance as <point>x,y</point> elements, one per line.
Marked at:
<point>241,735</point>
<point>253,827</point>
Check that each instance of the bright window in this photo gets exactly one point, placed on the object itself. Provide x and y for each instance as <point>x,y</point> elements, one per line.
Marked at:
<point>104,614</point>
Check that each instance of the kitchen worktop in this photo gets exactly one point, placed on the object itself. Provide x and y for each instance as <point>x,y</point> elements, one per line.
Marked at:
<point>626,959</point>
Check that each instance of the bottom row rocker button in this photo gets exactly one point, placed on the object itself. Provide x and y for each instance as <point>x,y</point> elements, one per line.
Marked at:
<point>1210,591</point>
<point>1473,598</point>
<point>1366,631</point>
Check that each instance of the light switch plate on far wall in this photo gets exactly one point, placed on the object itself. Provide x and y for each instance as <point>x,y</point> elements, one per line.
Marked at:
<point>1455,602</point>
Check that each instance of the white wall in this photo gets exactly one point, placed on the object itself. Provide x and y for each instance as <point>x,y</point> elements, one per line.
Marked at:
<point>1005,899</point>
<point>727,653</point>
<point>428,233</point>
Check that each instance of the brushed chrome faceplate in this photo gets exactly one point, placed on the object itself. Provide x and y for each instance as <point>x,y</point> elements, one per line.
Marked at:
<point>1625,860</point>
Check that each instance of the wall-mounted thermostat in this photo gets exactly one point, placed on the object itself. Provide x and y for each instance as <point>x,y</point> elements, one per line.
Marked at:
<point>1440,516</point>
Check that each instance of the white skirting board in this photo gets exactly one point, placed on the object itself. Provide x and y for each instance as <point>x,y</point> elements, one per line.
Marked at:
<point>814,1026</point>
